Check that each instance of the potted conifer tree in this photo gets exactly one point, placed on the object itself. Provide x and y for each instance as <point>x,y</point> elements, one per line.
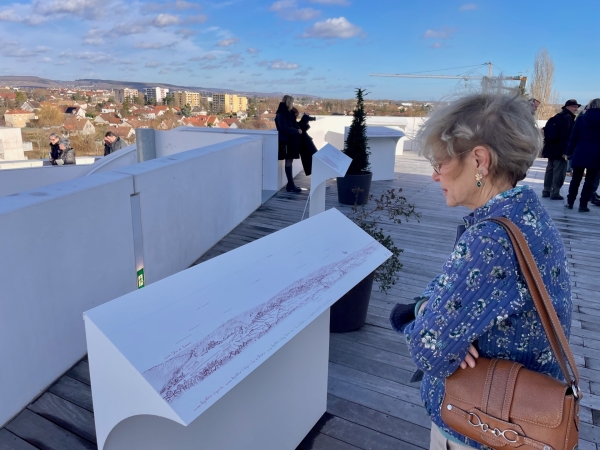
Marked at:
<point>355,186</point>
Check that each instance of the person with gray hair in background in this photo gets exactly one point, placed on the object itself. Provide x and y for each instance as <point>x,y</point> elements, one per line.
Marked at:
<point>66,153</point>
<point>288,138</point>
<point>54,150</point>
<point>480,147</point>
<point>584,151</point>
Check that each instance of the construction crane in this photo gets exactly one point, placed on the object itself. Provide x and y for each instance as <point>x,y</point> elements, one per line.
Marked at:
<point>485,81</point>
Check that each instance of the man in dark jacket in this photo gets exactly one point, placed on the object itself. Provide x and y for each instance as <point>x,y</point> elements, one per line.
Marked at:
<point>54,148</point>
<point>112,143</point>
<point>556,139</point>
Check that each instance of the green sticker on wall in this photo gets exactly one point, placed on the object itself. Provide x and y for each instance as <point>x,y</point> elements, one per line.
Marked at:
<point>141,281</point>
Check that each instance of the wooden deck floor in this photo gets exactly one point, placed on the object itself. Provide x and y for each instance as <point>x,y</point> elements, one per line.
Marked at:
<point>371,402</point>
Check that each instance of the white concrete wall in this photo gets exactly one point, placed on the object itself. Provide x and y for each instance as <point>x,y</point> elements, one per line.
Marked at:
<point>65,248</point>
<point>28,163</point>
<point>121,158</point>
<point>11,144</point>
<point>191,200</point>
<point>69,246</point>
<point>18,180</point>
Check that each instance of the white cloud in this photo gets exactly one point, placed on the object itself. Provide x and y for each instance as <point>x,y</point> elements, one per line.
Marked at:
<point>332,29</point>
<point>437,45</point>
<point>85,9</point>
<point>92,57</point>
<point>165,20</point>
<point>442,33</point>
<point>164,71</point>
<point>154,64</point>
<point>331,2</point>
<point>153,45</point>
<point>182,4</point>
<point>94,37</point>
<point>252,51</point>
<point>227,42</point>
<point>200,18</point>
<point>288,10</point>
<point>468,7</point>
<point>279,64</point>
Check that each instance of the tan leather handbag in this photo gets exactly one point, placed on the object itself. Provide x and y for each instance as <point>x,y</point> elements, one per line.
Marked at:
<point>503,405</point>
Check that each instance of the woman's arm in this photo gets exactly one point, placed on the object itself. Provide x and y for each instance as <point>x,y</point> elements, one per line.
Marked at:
<point>477,289</point>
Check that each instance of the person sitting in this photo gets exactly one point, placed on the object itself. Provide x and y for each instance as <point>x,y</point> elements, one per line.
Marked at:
<point>66,154</point>
<point>112,143</point>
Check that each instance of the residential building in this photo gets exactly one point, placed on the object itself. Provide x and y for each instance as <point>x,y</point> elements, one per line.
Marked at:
<point>75,111</point>
<point>76,125</point>
<point>18,118</point>
<point>182,98</point>
<point>229,103</point>
<point>31,106</point>
<point>125,93</point>
<point>157,94</point>
<point>126,133</point>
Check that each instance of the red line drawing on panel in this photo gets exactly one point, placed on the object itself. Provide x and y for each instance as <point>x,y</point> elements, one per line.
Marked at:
<point>188,367</point>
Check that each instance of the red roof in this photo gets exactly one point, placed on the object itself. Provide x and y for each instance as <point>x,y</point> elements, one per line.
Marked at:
<point>74,124</point>
<point>18,111</point>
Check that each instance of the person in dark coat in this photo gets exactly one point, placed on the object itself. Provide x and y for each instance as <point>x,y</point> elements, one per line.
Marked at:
<point>584,150</point>
<point>555,149</point>
<point>288,135</point>
<point>112,143</point>
<point>307,147</point>
<point>54,149</point>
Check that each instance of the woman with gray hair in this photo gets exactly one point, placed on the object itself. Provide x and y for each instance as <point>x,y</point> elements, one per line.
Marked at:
<point>480,147</point>
<point>288,133</point>
<point>66,153</point>
<point>584,151</point>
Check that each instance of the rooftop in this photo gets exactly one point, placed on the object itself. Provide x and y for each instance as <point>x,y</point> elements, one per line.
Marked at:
<point>371,402</point>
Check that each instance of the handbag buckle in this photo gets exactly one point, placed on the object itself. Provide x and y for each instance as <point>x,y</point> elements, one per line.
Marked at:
<point>496,431</point>
<point>576,390</point>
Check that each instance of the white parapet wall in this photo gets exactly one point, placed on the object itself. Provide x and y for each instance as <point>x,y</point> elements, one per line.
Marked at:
<point>68,247</point>
<point>19,180</point>
<point>191,200</point>
<point>65,248</point>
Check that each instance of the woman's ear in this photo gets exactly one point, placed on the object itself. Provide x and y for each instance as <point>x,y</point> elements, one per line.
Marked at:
<point>483,158</point>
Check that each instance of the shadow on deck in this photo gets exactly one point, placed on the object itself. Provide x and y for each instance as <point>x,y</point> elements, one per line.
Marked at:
<point>371,402</point>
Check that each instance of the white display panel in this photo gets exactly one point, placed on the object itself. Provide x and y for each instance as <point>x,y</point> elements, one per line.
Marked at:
<point>176,347</point>
<point>328,162</point>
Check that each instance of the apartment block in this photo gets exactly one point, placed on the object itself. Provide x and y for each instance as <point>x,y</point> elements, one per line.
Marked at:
<point>122,94</point>
<point>182,98</point>
<point>229,103</point>
<point>157,94</point>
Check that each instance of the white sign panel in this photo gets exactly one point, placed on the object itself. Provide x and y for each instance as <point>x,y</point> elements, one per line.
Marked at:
<point>187,340</point>
<point>329,162</point>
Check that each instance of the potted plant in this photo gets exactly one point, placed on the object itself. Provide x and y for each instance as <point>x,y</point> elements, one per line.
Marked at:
<point>349,313</point>
<point>356,147</point>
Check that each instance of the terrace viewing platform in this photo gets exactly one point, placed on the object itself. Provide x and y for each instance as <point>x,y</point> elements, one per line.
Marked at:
<point>371,402</point>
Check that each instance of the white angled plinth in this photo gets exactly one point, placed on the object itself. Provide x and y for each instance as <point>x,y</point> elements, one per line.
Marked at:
<point>229,354</point>
<point>382,145</point>
<point>328,162</point>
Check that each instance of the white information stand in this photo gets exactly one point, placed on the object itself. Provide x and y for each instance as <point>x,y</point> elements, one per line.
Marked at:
<point>229,354</point>
<point>327,163</point>
<point>382,145</point>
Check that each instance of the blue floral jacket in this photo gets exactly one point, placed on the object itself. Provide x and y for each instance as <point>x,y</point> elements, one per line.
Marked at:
<point>481,297</point>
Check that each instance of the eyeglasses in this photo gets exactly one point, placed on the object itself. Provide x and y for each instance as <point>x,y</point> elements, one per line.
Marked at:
<point>437,167</point>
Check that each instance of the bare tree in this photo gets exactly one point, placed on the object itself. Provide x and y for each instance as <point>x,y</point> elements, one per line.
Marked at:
<point>541,86</point>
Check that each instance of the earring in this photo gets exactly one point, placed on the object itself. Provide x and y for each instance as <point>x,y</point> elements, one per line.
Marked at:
<point>479,177</point>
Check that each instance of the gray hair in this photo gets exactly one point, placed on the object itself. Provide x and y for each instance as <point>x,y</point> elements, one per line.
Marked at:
<point>288,100</point>
<point>593,104</point>
<point>64,141</point>
<point>53,135</point>
<point>500,122</point>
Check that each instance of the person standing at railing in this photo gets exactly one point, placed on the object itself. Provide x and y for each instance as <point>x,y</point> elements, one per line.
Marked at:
<point>306,145</point>
<point>66,154</point>
<point>288,134</point>
<point>112,143</point>
<point>54,150</point>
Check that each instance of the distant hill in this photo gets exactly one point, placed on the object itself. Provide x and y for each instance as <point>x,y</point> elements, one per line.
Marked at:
<point>29,82</point>
<point>93,83</point>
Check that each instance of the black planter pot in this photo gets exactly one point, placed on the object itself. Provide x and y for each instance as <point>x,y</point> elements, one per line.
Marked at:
<point>349,313</point>
<point>349,182</point>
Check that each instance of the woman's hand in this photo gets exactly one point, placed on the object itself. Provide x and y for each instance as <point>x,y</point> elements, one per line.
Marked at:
<point>471,358</point>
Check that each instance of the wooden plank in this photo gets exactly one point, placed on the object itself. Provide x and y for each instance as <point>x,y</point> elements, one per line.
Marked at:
<point>9,441</point>
<point>43,434</point>
<point>319,441</point>
<point>81,372</point>
<point>73,391</point>
<point>66,415</point>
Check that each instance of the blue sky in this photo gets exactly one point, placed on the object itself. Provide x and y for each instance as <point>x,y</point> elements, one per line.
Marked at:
<point>319,47</point>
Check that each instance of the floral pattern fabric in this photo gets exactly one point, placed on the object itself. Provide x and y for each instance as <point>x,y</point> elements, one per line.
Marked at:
<point>481,297</point>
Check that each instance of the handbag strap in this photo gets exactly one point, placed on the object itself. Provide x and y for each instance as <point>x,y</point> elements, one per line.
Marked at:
<point>543,303</point>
